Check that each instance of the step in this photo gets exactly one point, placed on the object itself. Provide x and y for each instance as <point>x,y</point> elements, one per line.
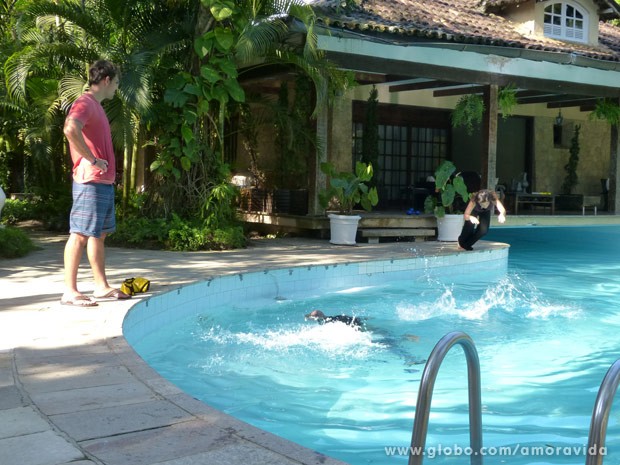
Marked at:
<point>373,234</point>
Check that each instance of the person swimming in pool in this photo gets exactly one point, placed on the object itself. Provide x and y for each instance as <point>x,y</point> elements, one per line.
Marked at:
<point>394,344</point>
<point>348,320</point>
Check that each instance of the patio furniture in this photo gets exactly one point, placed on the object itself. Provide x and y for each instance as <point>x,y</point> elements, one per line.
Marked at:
<point>534,199</point>
<point>590,201</point>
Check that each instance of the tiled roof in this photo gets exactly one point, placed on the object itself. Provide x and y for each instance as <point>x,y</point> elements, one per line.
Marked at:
<point>498,5</point>
<point>459,21</point>
<point>609,36</point>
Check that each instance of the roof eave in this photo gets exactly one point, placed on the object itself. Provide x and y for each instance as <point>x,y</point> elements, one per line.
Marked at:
<point>516,51</point>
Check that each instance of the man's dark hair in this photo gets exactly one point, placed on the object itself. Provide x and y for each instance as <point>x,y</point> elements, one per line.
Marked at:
<point>100,70</point>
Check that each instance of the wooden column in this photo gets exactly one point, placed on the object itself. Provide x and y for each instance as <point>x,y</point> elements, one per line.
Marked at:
<point>489,138</point>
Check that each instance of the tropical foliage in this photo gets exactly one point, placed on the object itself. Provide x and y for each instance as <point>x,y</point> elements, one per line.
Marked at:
<point>607,110</point>
<point>182,63</point>
<point>346,189</point>
<point>468,112</point>
<point>450,191</point>
<point>507,100</point>
<point>470,108</point>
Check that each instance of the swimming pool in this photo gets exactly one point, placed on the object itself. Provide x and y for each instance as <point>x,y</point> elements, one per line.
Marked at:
<point>544,332</point>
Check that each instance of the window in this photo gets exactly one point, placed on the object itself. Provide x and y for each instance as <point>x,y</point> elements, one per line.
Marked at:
<point>565,21</point>
<point>407,155</point>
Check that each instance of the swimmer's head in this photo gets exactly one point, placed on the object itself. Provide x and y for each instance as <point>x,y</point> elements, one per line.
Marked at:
<point>316,315</point>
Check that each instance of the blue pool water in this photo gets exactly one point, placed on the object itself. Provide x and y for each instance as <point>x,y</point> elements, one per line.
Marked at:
<point>546,333</point>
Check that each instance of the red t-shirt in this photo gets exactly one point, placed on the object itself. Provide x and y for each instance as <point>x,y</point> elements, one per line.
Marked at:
<point>96,131</point>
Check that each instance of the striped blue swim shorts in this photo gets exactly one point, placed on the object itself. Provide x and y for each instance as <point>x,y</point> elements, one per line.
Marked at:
<point>93,209</point>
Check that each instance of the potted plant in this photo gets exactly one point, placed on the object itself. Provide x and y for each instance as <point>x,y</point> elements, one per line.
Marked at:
<point>345,191</point>
<point>445,206</point>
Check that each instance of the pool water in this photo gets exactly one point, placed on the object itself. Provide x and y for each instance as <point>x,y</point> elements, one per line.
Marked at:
<point>546,333</point>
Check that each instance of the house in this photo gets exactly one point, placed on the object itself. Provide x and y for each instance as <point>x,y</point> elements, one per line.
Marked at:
<point>560,57</point>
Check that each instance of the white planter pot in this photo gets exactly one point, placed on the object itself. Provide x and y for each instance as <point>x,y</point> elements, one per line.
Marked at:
<point>449,228</point>
<point>343,228</point>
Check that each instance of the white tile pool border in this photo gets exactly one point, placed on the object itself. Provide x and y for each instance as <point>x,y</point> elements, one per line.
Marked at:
<point>271,284</point>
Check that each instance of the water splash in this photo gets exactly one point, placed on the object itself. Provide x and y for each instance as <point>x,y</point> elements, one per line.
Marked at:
<point>511,294</point>
<point>331,340</point>
<point>547,311</point>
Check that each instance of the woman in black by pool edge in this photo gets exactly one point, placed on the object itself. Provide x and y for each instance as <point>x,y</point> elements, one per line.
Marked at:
<point>478,217</point>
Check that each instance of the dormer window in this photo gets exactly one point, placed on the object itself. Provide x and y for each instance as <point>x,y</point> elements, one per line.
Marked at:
<point>565,21</point>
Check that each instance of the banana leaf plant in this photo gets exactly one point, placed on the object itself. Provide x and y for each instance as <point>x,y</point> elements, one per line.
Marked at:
<point>450,187</point>
<point>346,189</point>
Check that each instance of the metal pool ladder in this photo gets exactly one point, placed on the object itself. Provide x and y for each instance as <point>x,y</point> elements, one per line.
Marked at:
<point>598,424</point>
<point>425,395</point>
<point>600,415</point>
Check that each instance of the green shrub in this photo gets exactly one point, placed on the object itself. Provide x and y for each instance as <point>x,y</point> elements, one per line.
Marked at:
<point>52,210</point>
<point>139,232</point>
<point>14,243</point>
<point>230,238</point>
<point>15,211</point>
<point>175,234</point>
<point>184,236</point>
<point>192,236</point>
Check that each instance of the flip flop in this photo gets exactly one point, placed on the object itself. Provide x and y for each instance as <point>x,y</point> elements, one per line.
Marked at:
<point>79,301</point>
<point>114,294</point>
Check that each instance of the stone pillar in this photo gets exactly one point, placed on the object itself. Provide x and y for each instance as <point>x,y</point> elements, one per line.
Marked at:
<point>341,133</point>
<point>334,129</point>
<point>317,179</point>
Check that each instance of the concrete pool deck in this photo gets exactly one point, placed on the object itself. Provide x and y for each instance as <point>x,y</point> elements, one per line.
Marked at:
<point>73,391</point>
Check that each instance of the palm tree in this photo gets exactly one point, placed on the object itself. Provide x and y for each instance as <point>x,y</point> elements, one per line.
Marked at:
<point>271,29</point>
<point>62,39</point>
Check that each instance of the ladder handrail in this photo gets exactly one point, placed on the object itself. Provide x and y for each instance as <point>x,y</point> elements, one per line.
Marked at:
<point>600,415</point>
<point>425,395</point>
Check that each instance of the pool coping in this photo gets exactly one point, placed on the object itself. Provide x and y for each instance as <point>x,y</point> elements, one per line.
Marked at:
<point>73,390</point>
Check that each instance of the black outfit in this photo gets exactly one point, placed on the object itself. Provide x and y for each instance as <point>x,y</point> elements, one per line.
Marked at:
<point>472,233</point>
<point>346,319</point>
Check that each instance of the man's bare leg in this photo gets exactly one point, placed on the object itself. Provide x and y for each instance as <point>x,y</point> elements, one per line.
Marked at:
<point>95,249</point>
<point>74,249</point>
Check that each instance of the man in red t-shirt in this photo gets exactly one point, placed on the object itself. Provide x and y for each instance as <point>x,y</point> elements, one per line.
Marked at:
<point>94,167</point>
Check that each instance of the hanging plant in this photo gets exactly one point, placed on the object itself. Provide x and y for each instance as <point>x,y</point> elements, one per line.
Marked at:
<point>468,112</point>
<point>607,110</point>
<point>507,100</point>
